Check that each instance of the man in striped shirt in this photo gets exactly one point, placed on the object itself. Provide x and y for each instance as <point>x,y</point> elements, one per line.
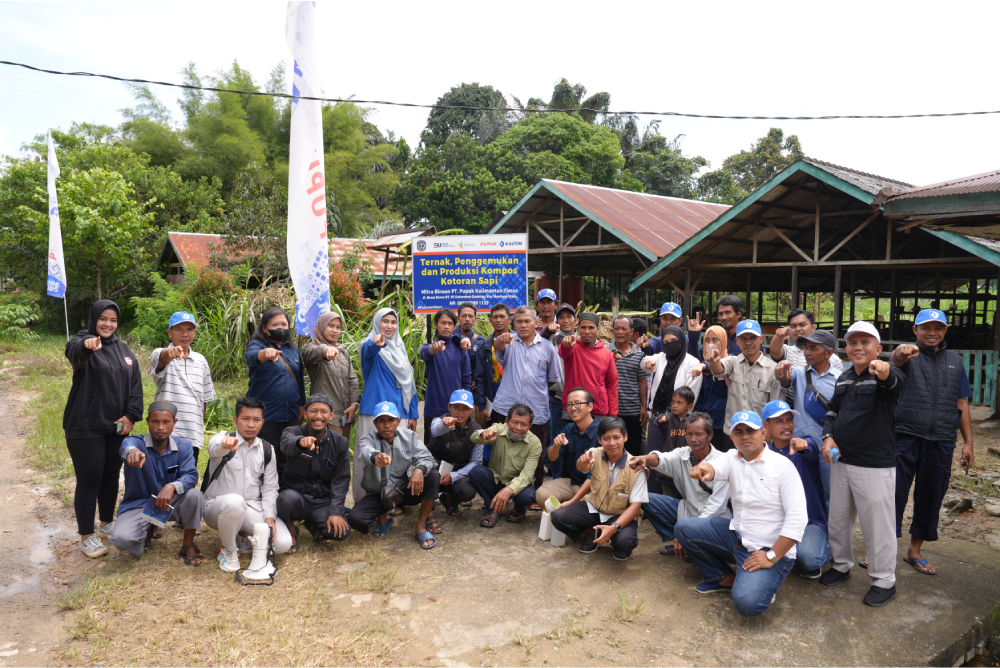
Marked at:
<point>632,386</point>
<point>183,378</point>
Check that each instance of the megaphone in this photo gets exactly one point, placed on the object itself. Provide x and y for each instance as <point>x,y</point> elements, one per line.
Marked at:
<point>262,569</point>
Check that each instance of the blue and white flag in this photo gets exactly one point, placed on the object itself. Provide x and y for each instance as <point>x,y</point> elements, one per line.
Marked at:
<point>308,246</point>
<point>57,265</point>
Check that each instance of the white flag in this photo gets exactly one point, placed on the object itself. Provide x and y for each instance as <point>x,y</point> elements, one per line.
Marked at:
<point>308,247</point>
<point>57,265</point>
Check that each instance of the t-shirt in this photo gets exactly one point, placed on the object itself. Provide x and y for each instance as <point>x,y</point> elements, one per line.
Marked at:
<point>188,385</point>
<point>630,373</point>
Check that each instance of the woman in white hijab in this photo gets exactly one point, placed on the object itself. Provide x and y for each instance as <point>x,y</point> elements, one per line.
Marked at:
<point>388,376</point>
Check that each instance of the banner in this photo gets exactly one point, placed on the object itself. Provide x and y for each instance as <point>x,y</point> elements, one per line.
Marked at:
<point>483,269</point>
<point>307,245</point>
<point>57,264</point>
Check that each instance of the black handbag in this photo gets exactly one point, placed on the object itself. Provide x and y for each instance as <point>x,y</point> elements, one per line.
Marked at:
<point>392,495</point>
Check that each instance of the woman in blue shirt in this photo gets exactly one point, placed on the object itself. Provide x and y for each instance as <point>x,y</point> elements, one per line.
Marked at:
<point>388,376</point>
<point>276,379</point>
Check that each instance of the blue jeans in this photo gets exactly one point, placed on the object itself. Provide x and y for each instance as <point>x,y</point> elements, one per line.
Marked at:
<point>824,475</point>
<point>661,511</point>
<point>814,549</point>
<point>713,546</point>
<point>483,480</point>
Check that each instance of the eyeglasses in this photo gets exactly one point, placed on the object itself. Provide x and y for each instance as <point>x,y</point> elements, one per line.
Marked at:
<point>577,404</point>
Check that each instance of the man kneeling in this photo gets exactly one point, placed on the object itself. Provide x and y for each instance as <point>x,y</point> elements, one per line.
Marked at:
<point>513,457</point>
<point>769,509</point>
<point>390,454</point>
<point>242,489</point>
<point>451,442</point>
<point>317,475</point>
<point>160,466</point>
<point>613,496</point>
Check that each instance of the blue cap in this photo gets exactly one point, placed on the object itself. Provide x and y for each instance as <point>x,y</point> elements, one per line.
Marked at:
<point>463,397</point>
<point>748,418</point>
<point>748,327</point>
<point>673,309</point>
<point>386,408</point>
<point>931,315</point>
<point>182,316</point>
<point>776,408</point>
<point>546,294</point>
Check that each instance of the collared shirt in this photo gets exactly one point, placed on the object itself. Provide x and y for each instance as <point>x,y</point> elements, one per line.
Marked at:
<point>512,462</point>
<point>630,373</point>
<point>862,417</point>
<point>155,473</point>
<point>797,357</point>
<point>696,501</point>
<point>638,494</point>
<point>527,372</point>
<point>579,442</point>
<point>241,474</point>
<point>751,386</point>
<point>186,384</point>
<point>825,383</point>
<point>768,499</point>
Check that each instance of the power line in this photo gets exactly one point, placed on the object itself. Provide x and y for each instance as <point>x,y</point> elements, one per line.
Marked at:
<point>501,109</point>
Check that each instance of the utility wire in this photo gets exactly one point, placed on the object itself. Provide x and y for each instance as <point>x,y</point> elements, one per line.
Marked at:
<point>501,109</point>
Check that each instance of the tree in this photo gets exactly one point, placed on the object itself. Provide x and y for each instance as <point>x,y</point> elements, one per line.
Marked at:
<point>256,222</point>
<point>719,187</point>
<point>766,157</point>
<point>483,126</point>
<point>655,161</point>
<point>567,96</point>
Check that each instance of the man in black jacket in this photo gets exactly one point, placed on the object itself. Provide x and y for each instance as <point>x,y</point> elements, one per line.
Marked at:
<point>933,407</point>
<point>451,443</point>
<point>486,368</point>
<point>317,475</point>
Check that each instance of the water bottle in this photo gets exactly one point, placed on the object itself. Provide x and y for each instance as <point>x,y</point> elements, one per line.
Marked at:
<point>834,454</point>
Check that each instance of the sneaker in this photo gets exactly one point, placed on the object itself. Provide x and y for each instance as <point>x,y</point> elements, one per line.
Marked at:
<point>589,545</point>
<point>710,588</point>
<point>93,547</point>
<point>105,530</point>
<point>229,561</point>
<point>243,545</point>
<point>621,555</point>
<point>811,575</point>
<point>877,596</point>
<point>833,577</point>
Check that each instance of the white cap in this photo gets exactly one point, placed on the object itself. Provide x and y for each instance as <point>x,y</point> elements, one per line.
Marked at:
<point>864,328</point>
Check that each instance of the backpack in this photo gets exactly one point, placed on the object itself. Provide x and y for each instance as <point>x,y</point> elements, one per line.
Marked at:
<point>207,480</point>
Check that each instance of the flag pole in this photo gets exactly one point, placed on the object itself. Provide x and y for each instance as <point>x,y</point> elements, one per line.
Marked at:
<point>66,313</point>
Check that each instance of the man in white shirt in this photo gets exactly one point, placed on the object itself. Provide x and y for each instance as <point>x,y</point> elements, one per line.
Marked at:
<point>769,518</point>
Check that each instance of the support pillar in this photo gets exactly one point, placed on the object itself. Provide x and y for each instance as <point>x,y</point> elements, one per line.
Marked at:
<point>795,286</point>
<point>838,302</point>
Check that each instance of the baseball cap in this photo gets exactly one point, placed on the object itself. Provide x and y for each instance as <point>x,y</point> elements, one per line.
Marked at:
<point>386,408</point>
<point>931,315</point>
<point>565,307</point>
<point>863,327</point>
<point>749,418</point>
<point>463,397</point>
<point>820,336</point>
<point>670,308</point>
<point>546,294</point>
<point>182,316</point>
<point>776,408</point>
<point>748,327</point>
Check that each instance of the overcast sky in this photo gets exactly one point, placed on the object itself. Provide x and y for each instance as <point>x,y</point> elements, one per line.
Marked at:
<point>736,58</point>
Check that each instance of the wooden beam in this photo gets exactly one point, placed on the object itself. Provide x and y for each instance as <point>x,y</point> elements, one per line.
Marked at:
<point>812,214</point>
<point>872,263</point>
<point>888,240</point>
<point>675,287</point>
<point>546,235</point>
<point>787,241</point>
<point>755,241</point>
<point>555,218</point>
<point>577,233</point>
<point>608,248</point>
<point>816,233</point>
<point>850,236</point>
<point>795,286</point>
<point>561,245</point>
<point>838,302</point>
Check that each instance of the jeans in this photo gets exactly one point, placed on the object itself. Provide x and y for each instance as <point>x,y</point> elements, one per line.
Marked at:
<point>713,546</point>
<point>814,549</point>
<point>483,480</point>
<point>824,475</point>
<point>661,511</point>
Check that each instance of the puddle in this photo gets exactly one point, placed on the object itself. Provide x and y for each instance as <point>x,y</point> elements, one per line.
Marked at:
<point>41,553</point>
<point>27,585</point>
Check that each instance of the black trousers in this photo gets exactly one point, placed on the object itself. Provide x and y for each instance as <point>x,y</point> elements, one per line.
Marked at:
<point>364,513</point>
<point>460,491</point>
<point>634,443</point>
<point>929,462</point>
<point>295,507</point>
<point>271,432</point>
<point>575,518</point>
<point>97,464</point>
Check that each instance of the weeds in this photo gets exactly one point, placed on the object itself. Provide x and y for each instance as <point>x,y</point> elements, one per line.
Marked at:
<point>527,644</point>
<point>625,612</point>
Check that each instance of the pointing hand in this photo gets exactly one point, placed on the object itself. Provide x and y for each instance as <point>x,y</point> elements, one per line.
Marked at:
<point>93,343</point>
<point>378,340</point>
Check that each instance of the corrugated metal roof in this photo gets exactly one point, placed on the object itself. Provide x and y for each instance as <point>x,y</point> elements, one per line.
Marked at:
<point>987,182</point>
<point>870,183</point>
<point>340,247</point>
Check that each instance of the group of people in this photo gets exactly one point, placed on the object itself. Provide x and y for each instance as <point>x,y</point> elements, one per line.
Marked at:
<point>745,462</point>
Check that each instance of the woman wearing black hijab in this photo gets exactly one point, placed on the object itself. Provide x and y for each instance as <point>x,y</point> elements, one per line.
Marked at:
<point>104,403</point>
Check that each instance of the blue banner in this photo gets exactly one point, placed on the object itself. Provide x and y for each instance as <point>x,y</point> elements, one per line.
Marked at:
<point>482,269</point>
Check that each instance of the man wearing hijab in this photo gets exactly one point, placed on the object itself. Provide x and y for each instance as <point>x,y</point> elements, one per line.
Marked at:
<point>331,371</point>
<point>388,377</point>
<point>588,364</point>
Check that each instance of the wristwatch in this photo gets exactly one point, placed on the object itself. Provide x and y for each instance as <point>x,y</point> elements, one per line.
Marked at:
<point>771,556</point>
<point>618,527</point>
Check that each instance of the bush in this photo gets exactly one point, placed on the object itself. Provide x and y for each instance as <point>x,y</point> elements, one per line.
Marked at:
<point>152,314</point>
<point>13,322</point>
<point>346,290</point>
<point>210,286</point>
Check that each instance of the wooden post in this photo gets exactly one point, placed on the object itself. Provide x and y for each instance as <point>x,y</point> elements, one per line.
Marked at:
<point>888,239</point>
<point>838,302</point>
<point>755,241</point>
<point>973,287</point>
<point>686,307</point>
<point>760,306</point>
<point>816,235</point>
<point>749,302</point>
<point>854,289</point>
<point>614,309</point>
<point>385,268</point>
<point>876,300</point>
<point>893,307</point>
<point>795,286</point>
<point>561,243</point>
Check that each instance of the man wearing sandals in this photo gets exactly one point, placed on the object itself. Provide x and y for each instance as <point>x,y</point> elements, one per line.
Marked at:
<point>451,442</point>
<point>513,457</point>
<point>162,466</point>
<point>317,475</point>
<point>399,456</point>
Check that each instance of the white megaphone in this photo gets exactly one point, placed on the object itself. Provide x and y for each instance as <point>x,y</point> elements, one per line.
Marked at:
<point>261,570</point>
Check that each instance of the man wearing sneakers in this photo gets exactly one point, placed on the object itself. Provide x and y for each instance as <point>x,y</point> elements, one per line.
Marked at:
<point>769,519</point>
<point>861,426</point>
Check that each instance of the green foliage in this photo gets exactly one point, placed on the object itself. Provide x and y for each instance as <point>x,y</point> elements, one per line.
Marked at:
<point>207,286</point>
<point>658,163</point>
<point>766,157</point>
<point>152,314</point>
<point>720,187</point>
<point>14,319</point>
<point>218,415</point>
<point>483,126</point>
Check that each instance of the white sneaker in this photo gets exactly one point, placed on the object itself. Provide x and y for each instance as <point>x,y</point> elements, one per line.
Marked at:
<point>229,561</point>
<point>243,545</point>
<point>93,547</point>
<point>105,530</point>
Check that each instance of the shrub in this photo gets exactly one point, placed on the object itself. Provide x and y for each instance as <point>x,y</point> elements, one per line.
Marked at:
<point>152,314</point>
<point>14,319</point>
<point>209,286</point>
<point>346,290</point>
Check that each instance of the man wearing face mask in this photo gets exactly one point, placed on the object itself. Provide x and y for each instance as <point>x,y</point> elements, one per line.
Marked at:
<point>513,457</point>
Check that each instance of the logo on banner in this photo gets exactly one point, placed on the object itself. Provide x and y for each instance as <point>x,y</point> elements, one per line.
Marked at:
<point>421,245</point>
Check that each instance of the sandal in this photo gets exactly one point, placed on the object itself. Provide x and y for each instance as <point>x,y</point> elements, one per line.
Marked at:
<point>157,533</point>
<point>147,545</point>
<point>451,508</point>
<point>421,537</point>
<point>193,560</point>
<point>294,549</point>
<point>382,528</point>
<point>863,563</point>
<point>667,550</point>
<point>465,504</point>
<point>489,520</point>
<point>432,525</point>
<point>515,517</point>
<point>920,566</point>
<point>534,507</point>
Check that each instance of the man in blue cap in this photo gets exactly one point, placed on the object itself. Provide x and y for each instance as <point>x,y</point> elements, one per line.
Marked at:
<point>670,314</point>
<point>545,305</point>
<point>934,405</point>
<point>451,442</point>
<point>769,518</point>
<point>814,549</point>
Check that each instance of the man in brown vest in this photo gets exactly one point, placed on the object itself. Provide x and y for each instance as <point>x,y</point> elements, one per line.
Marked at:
<point>612,496</point>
